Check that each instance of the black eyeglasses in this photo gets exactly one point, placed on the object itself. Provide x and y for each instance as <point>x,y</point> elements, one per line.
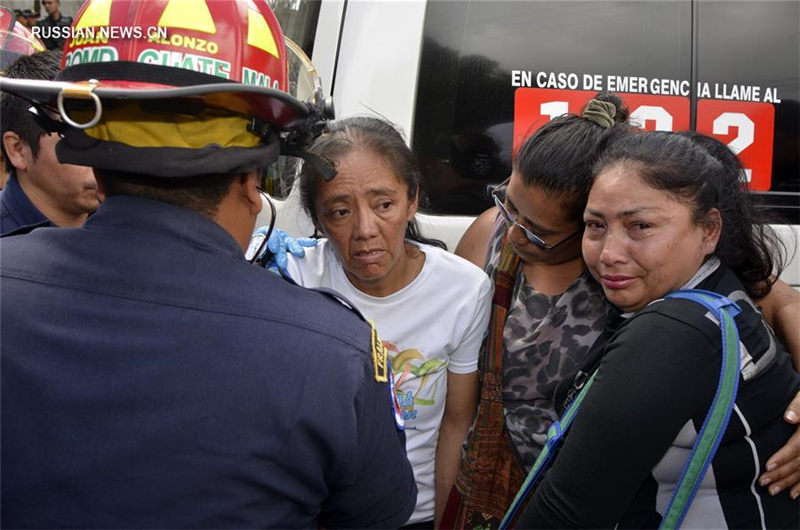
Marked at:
<point>510,221</point>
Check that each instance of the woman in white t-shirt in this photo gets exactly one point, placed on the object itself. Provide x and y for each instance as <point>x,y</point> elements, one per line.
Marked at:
<point>430,307</point>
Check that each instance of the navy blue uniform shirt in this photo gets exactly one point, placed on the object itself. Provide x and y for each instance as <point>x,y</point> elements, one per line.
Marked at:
<point>153,378</point>
<point>18,215</point>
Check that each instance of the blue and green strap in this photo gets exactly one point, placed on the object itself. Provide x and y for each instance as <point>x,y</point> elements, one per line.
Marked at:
<point>708,439</point>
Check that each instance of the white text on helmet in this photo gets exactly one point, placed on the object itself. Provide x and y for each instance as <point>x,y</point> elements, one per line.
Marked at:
<point>185,41</point>
<point>253,77</point>
<point>98,54</point>
<point>187,61</point>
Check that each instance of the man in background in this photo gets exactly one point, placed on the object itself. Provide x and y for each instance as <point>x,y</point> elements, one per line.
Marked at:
<point>53,25</point>
<point>16,40</point>
<point>40,191</point>
<point>31,17</point>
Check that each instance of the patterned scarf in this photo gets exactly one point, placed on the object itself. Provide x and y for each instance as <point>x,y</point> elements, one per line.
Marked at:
<point>491,472</point>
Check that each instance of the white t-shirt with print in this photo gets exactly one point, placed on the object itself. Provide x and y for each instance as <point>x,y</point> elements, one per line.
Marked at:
<point>433,325</point>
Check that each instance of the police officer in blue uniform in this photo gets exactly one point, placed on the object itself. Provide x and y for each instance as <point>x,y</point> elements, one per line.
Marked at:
<point>151,377</point>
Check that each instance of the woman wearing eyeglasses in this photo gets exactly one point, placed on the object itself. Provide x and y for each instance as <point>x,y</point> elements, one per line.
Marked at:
<point>547,309</point>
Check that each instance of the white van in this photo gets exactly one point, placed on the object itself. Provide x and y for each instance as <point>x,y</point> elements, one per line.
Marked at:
<point>467,80</point>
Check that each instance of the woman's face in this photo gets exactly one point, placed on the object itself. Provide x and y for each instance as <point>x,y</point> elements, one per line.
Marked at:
<point>641,243</point>
<point>543,214</point>
<point>364,211</point>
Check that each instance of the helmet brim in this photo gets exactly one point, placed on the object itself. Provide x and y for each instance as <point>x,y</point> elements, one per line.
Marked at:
<point>271,105</point>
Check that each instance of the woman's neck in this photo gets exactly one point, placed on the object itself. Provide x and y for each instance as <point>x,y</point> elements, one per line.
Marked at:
<point>408,268</point>
<point>551,279</point>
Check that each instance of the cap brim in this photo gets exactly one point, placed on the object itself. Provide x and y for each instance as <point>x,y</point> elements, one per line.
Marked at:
<point>273,106</point>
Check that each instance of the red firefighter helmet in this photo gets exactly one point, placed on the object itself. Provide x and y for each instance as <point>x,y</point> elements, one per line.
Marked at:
<point>15,40</point>
<point>178,80</point>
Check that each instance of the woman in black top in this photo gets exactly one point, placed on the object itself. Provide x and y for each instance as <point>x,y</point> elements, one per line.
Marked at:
<point>663,214</point>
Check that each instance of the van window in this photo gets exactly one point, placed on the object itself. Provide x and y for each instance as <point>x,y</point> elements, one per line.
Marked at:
<point>492,72</point>
<point>298,20</point>
<point>755,44</point>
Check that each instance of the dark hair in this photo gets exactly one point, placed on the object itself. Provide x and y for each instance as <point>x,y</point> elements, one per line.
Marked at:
<point>705,173</point>
<point>201,194</point>
<point>14,109</point>
<point>559,156</point>
<point>347,135</point>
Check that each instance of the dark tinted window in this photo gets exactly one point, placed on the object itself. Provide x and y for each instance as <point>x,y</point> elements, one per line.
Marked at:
<point>478,56</point>
<point>757,44</point>
<point>298,20</point>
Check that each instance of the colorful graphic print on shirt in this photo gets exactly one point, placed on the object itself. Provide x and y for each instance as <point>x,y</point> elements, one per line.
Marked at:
<point>414,379</point>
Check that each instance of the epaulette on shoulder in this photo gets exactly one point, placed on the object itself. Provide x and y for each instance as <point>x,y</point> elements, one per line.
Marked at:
<point>380,356</point>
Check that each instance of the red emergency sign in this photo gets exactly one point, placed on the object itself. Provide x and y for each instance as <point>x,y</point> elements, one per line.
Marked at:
<point>533,107</point>
<point>747,128</point>
<point>658,113</point>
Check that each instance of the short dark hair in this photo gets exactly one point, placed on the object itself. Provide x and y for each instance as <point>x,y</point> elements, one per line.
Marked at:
<point>704,173</point>
<point>14,109</point>
<point>202,194</point>
<point>362,132</point>
<point>558,157</point>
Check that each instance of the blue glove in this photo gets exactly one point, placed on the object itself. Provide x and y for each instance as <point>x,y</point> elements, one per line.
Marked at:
<point>278,244</point>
